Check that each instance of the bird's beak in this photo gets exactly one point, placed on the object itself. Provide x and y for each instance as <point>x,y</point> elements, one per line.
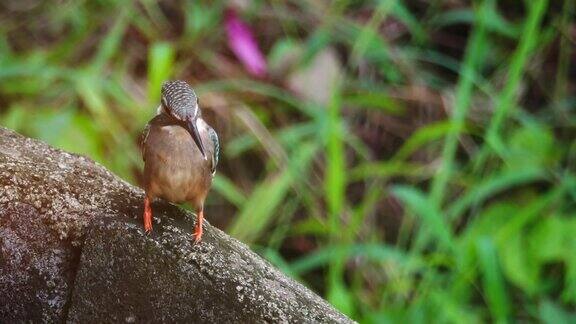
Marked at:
<point>193,130</point>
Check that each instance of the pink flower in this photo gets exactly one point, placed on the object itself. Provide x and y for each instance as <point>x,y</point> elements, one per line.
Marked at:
<point>242,42</point>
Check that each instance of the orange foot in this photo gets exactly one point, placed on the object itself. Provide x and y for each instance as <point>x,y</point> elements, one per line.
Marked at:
<point>147,216</point>
<point>198,228</point>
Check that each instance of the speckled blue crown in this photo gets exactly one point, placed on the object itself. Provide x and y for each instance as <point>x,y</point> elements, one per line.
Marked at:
<point>180,99</point>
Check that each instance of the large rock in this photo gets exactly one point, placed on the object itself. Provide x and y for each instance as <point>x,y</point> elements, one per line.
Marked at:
<point>36,267</point>
<point>72,249</point>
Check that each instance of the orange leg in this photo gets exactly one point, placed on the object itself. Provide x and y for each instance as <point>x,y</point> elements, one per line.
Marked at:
<point>147,215</point>
<point>198,228</point>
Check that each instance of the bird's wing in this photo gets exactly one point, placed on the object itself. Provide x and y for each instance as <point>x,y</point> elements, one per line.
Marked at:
<point>143,138</point>
<point>216,154</point>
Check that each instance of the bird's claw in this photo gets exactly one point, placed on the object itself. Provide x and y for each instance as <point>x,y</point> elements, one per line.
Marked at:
<point>148,224</point>
<point>197,235</point>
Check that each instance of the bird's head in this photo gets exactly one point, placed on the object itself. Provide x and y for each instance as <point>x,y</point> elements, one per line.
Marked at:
<point>180,102</point>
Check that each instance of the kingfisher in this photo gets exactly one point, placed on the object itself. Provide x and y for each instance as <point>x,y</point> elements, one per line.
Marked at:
<point>180,152</point>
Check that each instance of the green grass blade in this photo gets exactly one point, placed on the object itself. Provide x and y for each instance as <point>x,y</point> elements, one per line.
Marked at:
<point>160,68</point>
<point>335,183</point>
<point>373,252</point>
<point>493,282</point>
<point>388,169</point>
<point>110,44</point>
<point>229,190</point>
<point>552,313</point>
<point>335,179</point>
<point>491,186</point>
<point>260,207</point>
<point>472,62</point>
<point>507,98</point>
<point>421,137</point>
<point>432,219</point>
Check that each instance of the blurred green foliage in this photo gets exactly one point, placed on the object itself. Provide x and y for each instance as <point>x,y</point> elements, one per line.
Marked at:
<point>436,182</point>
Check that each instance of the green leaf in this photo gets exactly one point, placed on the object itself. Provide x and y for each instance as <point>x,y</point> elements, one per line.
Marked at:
<point>336,175</point>
<point>14,118</point>
<point>260,207</point>
<point>229,190</point>
<point>341,298</point>
<point>507,98</point>
<point>201,19</point>
<point>448,309</point>
<point>284,54</point>
<point>495,21</point>
<point>473,62</point>
<point>548,240</point>
<point>289,137</point>
<point>387,169</point>
<point>376,252</point>
<point>110,44</point>
<point>160,68</point>
<point>531,146</point>
<point>552,313</point>
<point>401,11</point>
<point>527,213</point>
<point>422,136</point>
<point>311,226</point>
<point>375,100</point>
<point>69,131</point>
<point>493,185</point>
<point>518,264</point>
<point>493,283</point>
<point>432,219</point>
